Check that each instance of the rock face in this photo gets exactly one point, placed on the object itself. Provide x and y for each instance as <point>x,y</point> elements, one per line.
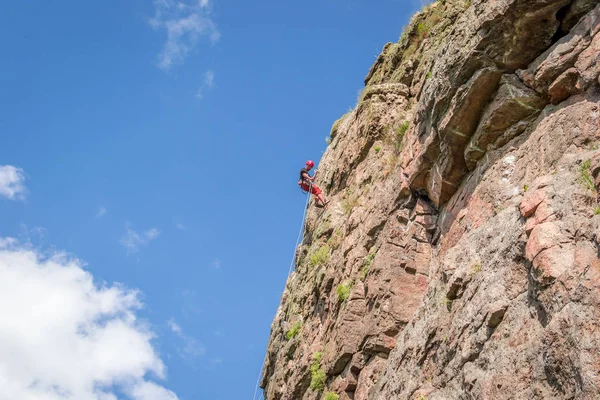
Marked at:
<point>459,257</point>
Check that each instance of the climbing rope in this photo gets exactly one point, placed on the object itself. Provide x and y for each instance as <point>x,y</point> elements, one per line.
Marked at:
<point>300,235</point>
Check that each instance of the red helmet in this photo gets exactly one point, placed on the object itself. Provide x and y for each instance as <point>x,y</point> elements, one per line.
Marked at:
<point>310,163</point>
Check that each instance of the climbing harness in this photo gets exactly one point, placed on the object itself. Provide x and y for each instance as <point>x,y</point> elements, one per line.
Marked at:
<point>308,183</point>
<point>292,264</point>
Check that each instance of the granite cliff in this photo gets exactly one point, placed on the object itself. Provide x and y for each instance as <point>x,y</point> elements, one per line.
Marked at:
<point>459,257</point>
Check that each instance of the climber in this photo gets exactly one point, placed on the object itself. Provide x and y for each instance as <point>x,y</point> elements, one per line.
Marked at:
<point>306,183</point>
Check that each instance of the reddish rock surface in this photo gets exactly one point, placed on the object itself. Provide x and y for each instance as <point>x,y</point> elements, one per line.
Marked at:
<point>458,258</point>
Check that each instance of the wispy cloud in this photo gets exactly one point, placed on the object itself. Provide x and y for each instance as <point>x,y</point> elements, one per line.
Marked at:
<point>7,242</point>
<point>132,240</point>
<point>216,264</point>
<point>93,345</point>
<point>30,235</point>
<point>152,234</point>
<point>101,212</point>
<point>207,83</point>
<point>174,326</point>
<point>12,182</point>
<point>191,347</point>
<point>209,78</point>
<point>185,23</point>
<point>180,226</point>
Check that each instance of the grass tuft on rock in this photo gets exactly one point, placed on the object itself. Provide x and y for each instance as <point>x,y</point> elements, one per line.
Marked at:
<point>367,266</point>
<point>400,132</point>
<point>317,375</point>
<point>294,331</point>
<point>319,257</point>
<point>584,176</point>
<point>343,290</point>
<point>317,356</point>
<point>332,396</point>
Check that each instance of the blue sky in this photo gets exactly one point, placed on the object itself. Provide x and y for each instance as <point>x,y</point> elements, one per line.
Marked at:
<point>158,143</point>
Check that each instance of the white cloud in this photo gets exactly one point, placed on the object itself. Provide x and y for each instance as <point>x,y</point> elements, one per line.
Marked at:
<point>7,242</point>
<point>151,391</point>
<point>216,263</point>
<point>12,182</point>
<point>132,240</point>
<point>208,83</point>
<point>101,212</point>
<point>185,23</point>
<point>175,327</point>
<point>209,78</point>
<point>180,226</point>
<point>152,234</point>
<point>28,236</point>
<point>65,337</point>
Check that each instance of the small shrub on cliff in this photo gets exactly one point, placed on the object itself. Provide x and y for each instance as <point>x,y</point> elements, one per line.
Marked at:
<point>433,17</point>
<point>364,273</point>
<point>367,266</point>
<point>317,379</point>
<point>343,290</point>
<point>317,375</point>
<point>422,30</point>
<point>597,210</point>
<point>332,396</point>
<point>585,178</point>
<point>294,331</point>
<point>319,257</point>
<point>317,357</point>
<point>377,149</point>
<point>400,132</point>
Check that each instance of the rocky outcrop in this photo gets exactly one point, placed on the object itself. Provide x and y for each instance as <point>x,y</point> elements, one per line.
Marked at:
<point>458,258</point>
